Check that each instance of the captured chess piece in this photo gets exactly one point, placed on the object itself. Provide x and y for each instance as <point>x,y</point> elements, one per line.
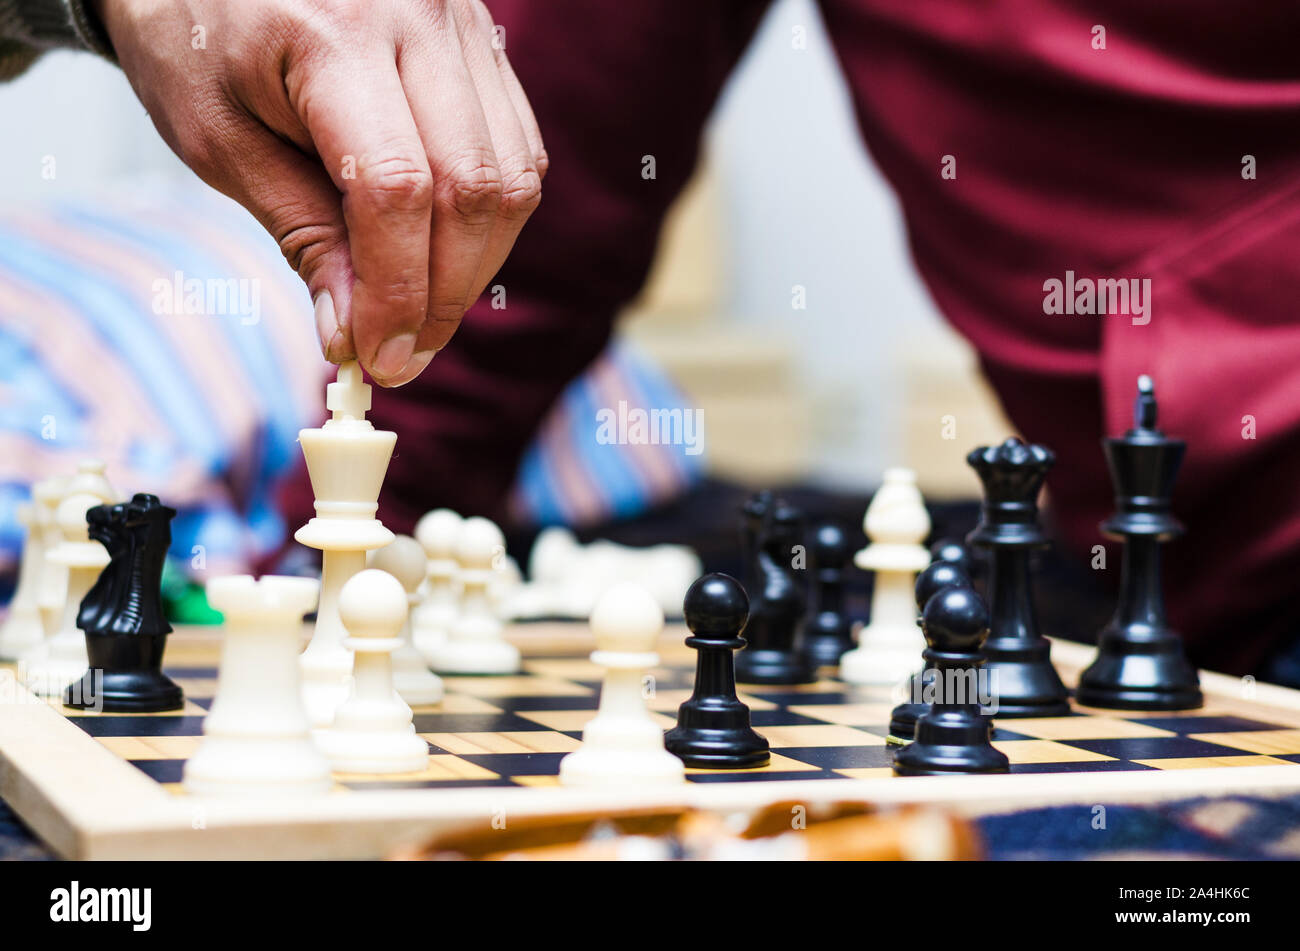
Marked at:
<point>1140,663</point>
<point>346,461</point>
<point>827,631</point>
<point>403,558</point>
<point>373,731</point>
<point>713,729</point>
<point>623,745</point>
<point>257,737</point>
<point>475,642</point>
<point>902,719</point>
<point>774,655</point>
<point>1019,663</point>
<point>122,615</point>
<point>896,523</point>
<point>954,736</point>
<point>438,533</point>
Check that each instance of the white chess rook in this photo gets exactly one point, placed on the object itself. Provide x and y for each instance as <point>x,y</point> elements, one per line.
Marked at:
<point>475,643</point>
<point>896,523</point>
<point>623,745</point>
<point>404,559</point>
<point>346,460</point>
<point>257,738</point>
<point>373,731</point>
<point>437,532</point>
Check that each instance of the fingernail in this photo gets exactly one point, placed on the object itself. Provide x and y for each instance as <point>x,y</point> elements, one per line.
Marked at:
<point>327,321</point>
<point>414,367</point>
<point>393,355</point>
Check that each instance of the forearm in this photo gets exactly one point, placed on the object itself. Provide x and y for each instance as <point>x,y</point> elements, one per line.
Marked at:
<point>30,27</point>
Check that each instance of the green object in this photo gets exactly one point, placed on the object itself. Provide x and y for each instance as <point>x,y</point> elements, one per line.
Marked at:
<point>184,600</point>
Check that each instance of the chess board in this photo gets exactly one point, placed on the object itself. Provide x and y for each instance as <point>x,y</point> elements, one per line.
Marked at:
<point>108,785</point>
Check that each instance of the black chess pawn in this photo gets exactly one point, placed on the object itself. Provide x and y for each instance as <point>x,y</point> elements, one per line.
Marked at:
<point>122,615</point>
<point>1019,663</point>
<point>902,720</point>
<point>828,630</point>
<point>713,730</point>
<point>1140,663</point>
<point>954,552</point>
<point>774,655</point>
<point>954,736</point>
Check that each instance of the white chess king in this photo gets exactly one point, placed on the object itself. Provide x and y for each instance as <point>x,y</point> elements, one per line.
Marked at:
<point>257,739</point>
<point>623,745</point>
<point>896,523</point>
<point>346,460</point>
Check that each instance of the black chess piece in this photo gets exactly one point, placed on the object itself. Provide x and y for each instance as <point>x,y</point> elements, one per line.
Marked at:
<point>1019,663</point>
<point>902,719</point>
<point>954,736</point>
<point>774,655</point>
<point>953,551</point>
<point>122,615</point>
<point>754,514</point>
<point>1140,663</point>
<point>828,630</point>
<point>713,729</point>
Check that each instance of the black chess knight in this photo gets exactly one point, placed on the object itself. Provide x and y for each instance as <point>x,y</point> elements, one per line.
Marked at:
<point>774,655</point>
<point>1019,657</point>
<point>1140,663</point>
<point>122,615</point>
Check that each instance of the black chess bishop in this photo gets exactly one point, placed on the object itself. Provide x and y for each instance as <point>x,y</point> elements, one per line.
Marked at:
<point>774,654</point>
<point>828,630</point>
<point>1018,657</point>
<point>122,614</point>
<point>1140,663</point>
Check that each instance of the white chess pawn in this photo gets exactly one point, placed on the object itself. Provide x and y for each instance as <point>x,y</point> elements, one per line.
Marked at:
<point>62,659</point>
<point>22,629</point>
<point>403,558</point>
<point>896,522</point>
<point>475,644</point>
<point>623,745</point>
<point>373,731</point>
<point>257,738</point>
<point>437,532</point>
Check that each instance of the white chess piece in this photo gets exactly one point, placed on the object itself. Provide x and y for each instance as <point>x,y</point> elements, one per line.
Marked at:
<point>22,629</point>
<point>475,644</point>
<point>623,745</point>
<point>373,731</point>
<point>52,581</point>
<point>62,659</point>
<point>889,648</point>
<point>257,738</point>
<point>346,460</point>
<point>403,558</point>
<point>437,532</point>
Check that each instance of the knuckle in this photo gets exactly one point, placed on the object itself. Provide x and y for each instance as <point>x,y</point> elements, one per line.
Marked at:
<point>521,194</point>
<point>473,189</point>
<point>397,182</point>
<point>305,245</point>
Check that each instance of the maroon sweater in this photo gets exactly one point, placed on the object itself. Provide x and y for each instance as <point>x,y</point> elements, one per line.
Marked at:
<point>1122,163</point>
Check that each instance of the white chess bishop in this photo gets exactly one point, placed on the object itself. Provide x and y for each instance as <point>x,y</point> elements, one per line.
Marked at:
<point>346,460</point>
<point>373,730</point>
<point>437,532</point>
<point>475,643</point>
<point>403,558</point>
<point>896,523</point>
<point>55,663</point>
<point>257,738</point>
<point>623,745</point>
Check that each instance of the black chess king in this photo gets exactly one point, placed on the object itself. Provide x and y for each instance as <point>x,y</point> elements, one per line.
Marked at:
<point>1140,662</point>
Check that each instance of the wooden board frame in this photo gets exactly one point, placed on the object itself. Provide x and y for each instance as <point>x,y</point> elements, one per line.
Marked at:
<point>87,803</point>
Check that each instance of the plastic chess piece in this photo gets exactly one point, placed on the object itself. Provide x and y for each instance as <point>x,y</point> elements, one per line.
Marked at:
<point>1018,657</point>
<point>954,552</point>
<point>346,461</point>
<point>902,719</point>
<point>713,729</point>
<point>404,559</point>
<point>373,730</point>
<point>1140,664</point>
<point>623,745</point>
<point>828,630</point>
<point>64,658</point>
<point>22,629</point>
<point>896,523</point>
<point>475,644</point>
<point>122,615</point>
<point>954,736</point>
<point>52,582</point>
<point>257,737</point>
<point>774,654</point>
<point>437,532</point>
